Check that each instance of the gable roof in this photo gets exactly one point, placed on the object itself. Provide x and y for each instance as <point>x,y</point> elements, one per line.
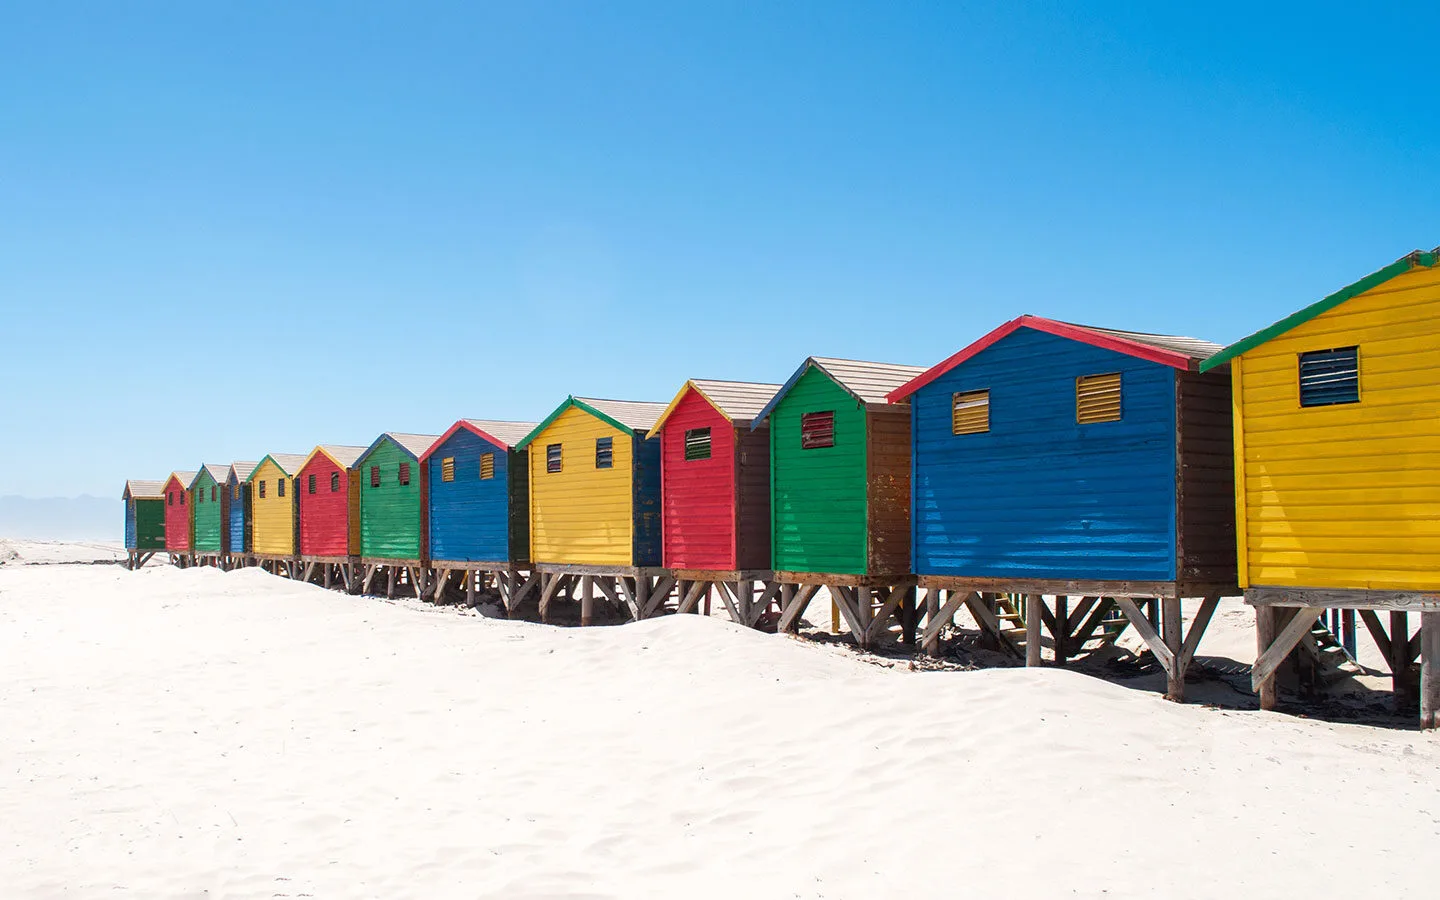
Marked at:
<point>1178,352</point>
<point>184,477</point>
<point>867,382</point>
<point>218,474</point>
<point>1418,259</point>
<point>343,456</point>
<point>414,445</point>
<point>633,416</point>
<point>501,434</point>
<point>738,401</point>
<point>136,489</point>
<point>241,471</point>
<point>287,463</point>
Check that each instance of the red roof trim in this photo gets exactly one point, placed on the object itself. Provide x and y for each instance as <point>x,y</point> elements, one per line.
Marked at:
<point>1049,326</point>
<point>462,425</point>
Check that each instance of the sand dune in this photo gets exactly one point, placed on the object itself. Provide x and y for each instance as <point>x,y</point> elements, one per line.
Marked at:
<point>184,733</point>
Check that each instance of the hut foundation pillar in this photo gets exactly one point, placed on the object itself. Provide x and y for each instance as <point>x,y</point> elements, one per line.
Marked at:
<point>932,614</point>
<point>1033,621</point>
<point>587,600</point>
<point>1429,670</point>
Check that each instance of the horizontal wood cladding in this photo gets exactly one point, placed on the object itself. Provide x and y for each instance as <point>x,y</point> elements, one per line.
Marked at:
<point>581,514</point>
<point>391,513</point>
<point>752,464</point>
<point>698,495</point>
<point>470,516</point>
<point>145,524</point>
<point>177,515</point>
<point>888,481</point>
<point>207,514</point>
<point>1040,495</point>
<point>818,496</point>
<point>272,516</point>
<point>238,532</point>
<point>1347,496</point>
<point>1206,478</point>
<point>325,514</point>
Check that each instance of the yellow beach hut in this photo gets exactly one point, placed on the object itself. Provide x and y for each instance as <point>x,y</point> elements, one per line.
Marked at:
<point>1337,465</point>
<point>273,508</point>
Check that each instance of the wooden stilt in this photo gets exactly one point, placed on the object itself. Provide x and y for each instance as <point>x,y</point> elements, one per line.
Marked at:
<point>390,582</point>
<point>932,614</point>
<point>787,593</point>
<point>1429,670</point>
<point>1061,629</point>
<point>1400,658</point>
<point>470,575</point>
<point>1172,625</point>
<point>587,600</point>
<point>1033,621</point>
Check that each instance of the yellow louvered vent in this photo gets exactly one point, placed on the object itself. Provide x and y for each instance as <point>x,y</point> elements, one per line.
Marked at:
<point>1097,398</point>
<point>447,469</point>
<point>971,412</point>
<point>487,466</point>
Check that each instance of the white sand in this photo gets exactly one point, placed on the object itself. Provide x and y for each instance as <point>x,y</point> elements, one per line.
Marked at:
<point>171,733</point>
<point>17,551</point>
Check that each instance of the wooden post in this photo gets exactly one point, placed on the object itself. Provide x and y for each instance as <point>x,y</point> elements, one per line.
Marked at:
<point>587,600</point>
<point>865,610</point>
<point>390,582</point>
<point>470,576</point>
<point>907,617</point>
<point>787,593</point>
<point>1399,658</point>
<point>1172,625</point>
<point>932,612</point>
<point>1264,637</point>
<point>1062,629</point>
<point>1033,621</point>
<point>1429,670</point>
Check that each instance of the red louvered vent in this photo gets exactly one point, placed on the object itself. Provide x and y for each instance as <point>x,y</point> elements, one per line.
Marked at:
<point>817,430</point>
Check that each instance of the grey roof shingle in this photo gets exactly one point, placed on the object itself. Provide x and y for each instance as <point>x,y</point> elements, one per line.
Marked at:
<point>344,455</point>
<point>145,490</point>
<point>241,470</point>
<point>508,433</point>
<point>1192,347</point>
<point>741,401</point>
<point>637,415</point>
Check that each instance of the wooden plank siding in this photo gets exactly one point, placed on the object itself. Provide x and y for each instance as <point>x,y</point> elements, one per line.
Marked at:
<point>752,462</point>
<point>238,534</point>
<point>1347,496</point>
<point>699,495</point>
<point>272,508</point>
<point>391,514</point>
<point>177,511</point>
<point>326,502</point>
<point>144,515</point>
<point>1039,496</point>
<point>818,496</point>
<point>208,520</point>
<point>887,460</point>
<point>471,518</point>
<point>1205,488</point>
<point>582,515</point>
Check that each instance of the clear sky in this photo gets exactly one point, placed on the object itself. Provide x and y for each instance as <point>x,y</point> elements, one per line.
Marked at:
<point>228,229</point>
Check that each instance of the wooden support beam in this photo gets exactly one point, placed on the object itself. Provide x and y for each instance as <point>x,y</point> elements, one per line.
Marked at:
<point>587,599</point>
<point>692,596</point>
<point>1429,670</point>
<point>1377,632</point>
<point>1399,657</point>
<point>470,587</point>
<point>437,592</point>
<point>1034,618</point>
<point>1273,655</point>
<point>1197,631</point>
<point>1172,624</point>
<point>646,600</point>
<point>532,583</point>
<point>935,621</point>
<point>1152,639</point>
<point>370,573</point>
<point>726,594</point>
<point>1265,625</point>
<point>549,585</point>
<point>762,604</point>
<point>844,598</point>
<point>1060,629</point>
<point>658,592</point>
<point>879,624</point>
<point>930,640</point>
<point>787,594</point>
<point>793,609</point>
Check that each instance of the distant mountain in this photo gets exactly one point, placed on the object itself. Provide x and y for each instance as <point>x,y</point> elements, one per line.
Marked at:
<point>83,518</point>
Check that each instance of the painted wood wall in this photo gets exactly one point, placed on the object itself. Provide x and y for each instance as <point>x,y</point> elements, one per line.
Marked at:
<point>144,524</point>
<point>699,498</point>
<point>325,510</point>
<point>1039,496</point>
<point>390,515</point>
<point>818,496</point>
<point>471,518</point>
<point>1346,496</point>
<point>239,511</point>
<point>177,516</point>
<point>1205,492</point>
<point>272,525</point>
<point>887,479</point>
<point>207,514</point>
<point>582,515</point>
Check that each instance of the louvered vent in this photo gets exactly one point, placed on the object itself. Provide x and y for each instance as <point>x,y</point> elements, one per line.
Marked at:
<point>262,489</point>
<point>234,492</point>
<point>214,492</point>
<point>1097,398</point>
<point>447,469</point>
<point>310,484</point>
<point>697,443</point>
<point>552,457</point>
<point>334,482</point>
<point>1328,377</point>
<point>970,412</point>
<point>280,487</point>
<point>404,473</point>
<point>374,476</point>
<point>604,453</point>
<point>487,466</point>
<point>817,430</point>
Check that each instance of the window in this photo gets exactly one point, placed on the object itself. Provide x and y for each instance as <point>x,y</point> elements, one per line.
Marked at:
<point>404,473</point>
<point>604,453</point>
<point>170,501</point>
<point>310,484</point>
<point>1097,398</point>
<point>334,482</point>
<point>262,489</point>
<point>697,444</point>
<point>200,497</point>
<point>279,487</point>
<point>552,457</point>
<point>374,476</point>
<point>234,492</point>
<point>1328,377</point>
<point>487,466</point>
<point>817,430</point>
<point>447,469</point>
<point>970,412</point>
<point>182,498</point>
<point>214,492</point>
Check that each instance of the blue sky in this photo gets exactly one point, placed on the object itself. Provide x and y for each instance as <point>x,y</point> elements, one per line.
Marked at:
<point>232,229</point>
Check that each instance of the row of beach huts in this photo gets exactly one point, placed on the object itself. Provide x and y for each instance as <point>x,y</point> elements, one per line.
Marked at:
<point>1060,482</point>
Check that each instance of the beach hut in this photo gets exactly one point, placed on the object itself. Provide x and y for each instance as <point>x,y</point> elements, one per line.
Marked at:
<point>392,510</point>
<point>840,492</point>
<point>1337,447</point>
<point>177,517</point>
<point>329,498</point>
<point>1072,461</point>
<point>209,513</point>
<point>272,512</point>
<point>237,485</point>
<point>595,504</point>
<point>478,498</point>
<point>715,494</point>
<point>144,521</point>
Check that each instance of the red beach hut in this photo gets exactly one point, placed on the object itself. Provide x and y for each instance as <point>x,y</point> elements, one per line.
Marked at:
<point>177,512</point>
<point>328,498</point>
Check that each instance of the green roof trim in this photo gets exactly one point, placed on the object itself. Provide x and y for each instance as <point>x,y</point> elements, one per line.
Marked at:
<point>559,410</point>
<point>1417,260</point>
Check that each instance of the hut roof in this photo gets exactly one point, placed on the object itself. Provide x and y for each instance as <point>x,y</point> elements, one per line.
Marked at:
<point>218,473</point>
<point>241,470</point>
<point>1166,349</point>
<point>185,478</point>
<point>342,456</point>
<point>867,382</point>
<point>287,463</point>
<point>627,415</point>
<point>1418,259</point>
<point>414,444</point>
<point>738,401</point>
<point>144,490</point>
<point>502,434</point>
